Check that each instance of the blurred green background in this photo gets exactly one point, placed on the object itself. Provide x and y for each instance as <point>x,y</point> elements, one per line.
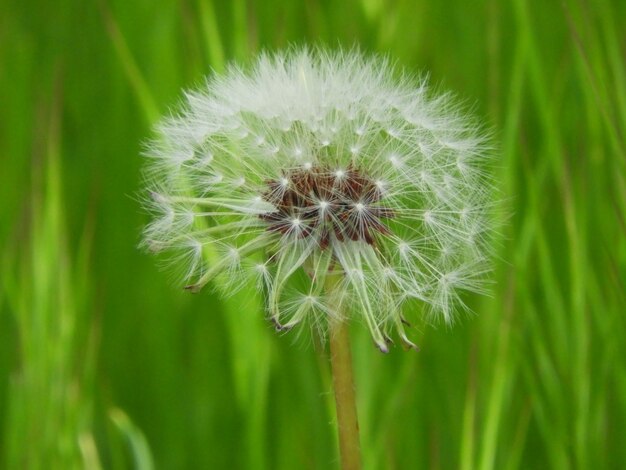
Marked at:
<point>105,364</point>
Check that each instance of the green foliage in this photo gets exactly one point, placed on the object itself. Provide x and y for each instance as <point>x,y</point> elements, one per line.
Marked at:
<point>104,365</point>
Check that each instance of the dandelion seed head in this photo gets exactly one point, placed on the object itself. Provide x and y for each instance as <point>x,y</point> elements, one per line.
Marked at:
<point>311,164</point>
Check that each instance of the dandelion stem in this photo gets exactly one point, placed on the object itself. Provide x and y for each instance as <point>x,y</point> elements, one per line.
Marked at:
<point>343,382</point>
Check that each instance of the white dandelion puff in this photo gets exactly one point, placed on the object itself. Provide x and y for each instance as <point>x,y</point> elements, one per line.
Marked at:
<point>314,164</point>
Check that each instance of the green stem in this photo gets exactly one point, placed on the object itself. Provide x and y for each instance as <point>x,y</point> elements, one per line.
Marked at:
<point>343,382</point>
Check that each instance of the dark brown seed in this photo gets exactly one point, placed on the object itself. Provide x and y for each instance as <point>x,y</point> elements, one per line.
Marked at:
<point>308,187</point>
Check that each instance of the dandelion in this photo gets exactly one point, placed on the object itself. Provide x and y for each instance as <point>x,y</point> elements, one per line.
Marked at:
<point>338,184</point>
<point>324,166</point>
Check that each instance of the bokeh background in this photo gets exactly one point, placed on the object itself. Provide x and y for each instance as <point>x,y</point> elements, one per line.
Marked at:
<point>105,364</point>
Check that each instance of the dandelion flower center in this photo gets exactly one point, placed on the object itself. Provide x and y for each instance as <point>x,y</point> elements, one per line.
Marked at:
<point>324,205</point>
